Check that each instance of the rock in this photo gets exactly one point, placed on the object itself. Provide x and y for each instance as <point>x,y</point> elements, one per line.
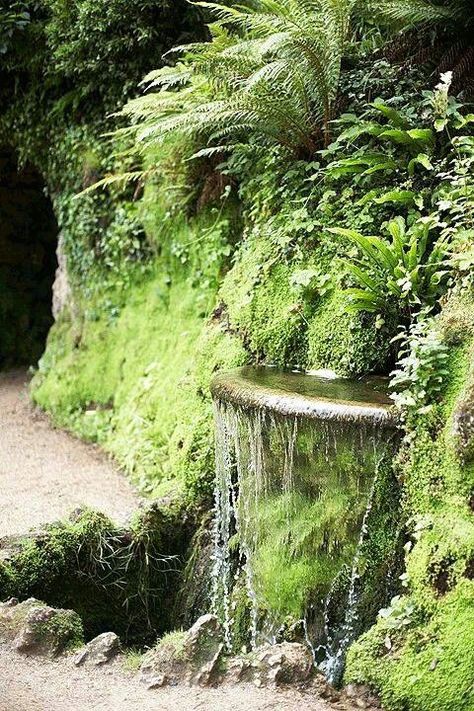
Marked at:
<point>192,656</point>
<point>62,294</point>
<point>239,669</point>
<point>292,631</point>
<point>274,665</point>
<point>12,602</point>
<point>361,696</point>
<point>157,682</point>
<point>99,650</point>
<point>285,663</point>
<point>31,627</point>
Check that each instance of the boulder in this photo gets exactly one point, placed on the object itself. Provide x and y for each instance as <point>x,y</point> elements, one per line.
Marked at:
<point>274,665</point>
<point>99,650</point>
<point>285,663</point>
<point>361,697</point>
<point>192,656</point>
<point>31,627</point>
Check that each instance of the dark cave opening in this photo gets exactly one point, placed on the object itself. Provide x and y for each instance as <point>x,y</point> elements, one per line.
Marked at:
<point>28,241</point>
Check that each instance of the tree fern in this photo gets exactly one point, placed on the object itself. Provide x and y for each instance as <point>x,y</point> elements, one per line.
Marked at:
<point>410,12</point>
<point>271,69</point>
<point>418,12</point>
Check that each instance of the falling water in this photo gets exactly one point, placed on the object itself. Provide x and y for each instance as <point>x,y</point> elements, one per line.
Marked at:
<point>297,475</point>
<point>336,651</point>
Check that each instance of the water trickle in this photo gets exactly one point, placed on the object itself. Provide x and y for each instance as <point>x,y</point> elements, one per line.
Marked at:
<point>302,469</point>
<point>335,648</point>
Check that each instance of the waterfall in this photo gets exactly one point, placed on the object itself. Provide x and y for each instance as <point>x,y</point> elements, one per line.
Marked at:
<point>297,477</point>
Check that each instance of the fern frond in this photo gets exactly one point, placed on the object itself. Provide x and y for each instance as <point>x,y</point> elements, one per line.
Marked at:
<point>408,12</point>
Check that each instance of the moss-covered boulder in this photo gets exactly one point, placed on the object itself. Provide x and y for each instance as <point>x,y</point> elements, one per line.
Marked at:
<point>33,628</point>
<point>115,578</point>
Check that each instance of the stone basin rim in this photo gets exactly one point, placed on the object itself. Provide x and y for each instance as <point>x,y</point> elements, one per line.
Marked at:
<point>235,387</point>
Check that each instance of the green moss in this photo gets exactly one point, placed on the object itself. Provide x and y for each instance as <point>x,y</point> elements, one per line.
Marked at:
<point>428,666</point>
<point>62,632</point>
<point>267,315</point>
<point>290,568</point>
<point>172,646</point>
<point>420,656</point>
<point>344,342</point>
<point>134,373</point>
<point>241,615</point>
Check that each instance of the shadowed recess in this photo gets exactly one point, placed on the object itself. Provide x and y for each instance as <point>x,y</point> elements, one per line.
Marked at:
<point>28,238</point>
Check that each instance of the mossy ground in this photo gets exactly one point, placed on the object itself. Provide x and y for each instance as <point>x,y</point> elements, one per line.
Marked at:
<point>133,373</point>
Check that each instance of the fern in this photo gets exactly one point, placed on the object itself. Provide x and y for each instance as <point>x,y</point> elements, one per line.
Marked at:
<point>449,42</point>
<point>271,70</point>
<point>412,12</point>
<point>407,271</point>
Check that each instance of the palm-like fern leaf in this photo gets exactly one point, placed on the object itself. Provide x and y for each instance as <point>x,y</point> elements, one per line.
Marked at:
<point>270,69</point>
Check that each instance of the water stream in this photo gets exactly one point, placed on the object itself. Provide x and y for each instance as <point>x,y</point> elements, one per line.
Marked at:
<point>306,509</point>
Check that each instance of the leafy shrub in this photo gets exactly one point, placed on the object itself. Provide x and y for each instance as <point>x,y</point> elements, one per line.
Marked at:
<point>12,20</point>
<point>272,71</point>
<point>421,368</point>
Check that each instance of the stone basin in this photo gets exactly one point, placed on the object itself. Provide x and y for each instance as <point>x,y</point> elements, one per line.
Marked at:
<point>318,396</point>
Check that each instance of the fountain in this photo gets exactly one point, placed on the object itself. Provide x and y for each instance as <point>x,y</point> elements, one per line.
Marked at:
<point>307,521</point>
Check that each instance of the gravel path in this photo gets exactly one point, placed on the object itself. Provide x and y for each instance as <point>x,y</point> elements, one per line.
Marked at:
<point>31,684</point>
<point>46,473</point>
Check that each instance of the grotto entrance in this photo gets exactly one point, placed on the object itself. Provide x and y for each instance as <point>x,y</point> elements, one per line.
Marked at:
<point>28,239</point>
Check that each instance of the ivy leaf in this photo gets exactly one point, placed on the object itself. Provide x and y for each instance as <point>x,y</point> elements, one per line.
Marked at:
<point>421,159</point>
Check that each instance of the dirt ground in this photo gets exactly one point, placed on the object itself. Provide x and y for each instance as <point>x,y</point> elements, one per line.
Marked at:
<point>45,473</point>
<point>31,684</point>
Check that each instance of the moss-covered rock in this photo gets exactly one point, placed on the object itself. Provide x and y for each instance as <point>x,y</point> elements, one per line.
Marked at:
<point>193,656</point>
<point>421,662</point>
<point>419,655</point>
<point>32,627</point>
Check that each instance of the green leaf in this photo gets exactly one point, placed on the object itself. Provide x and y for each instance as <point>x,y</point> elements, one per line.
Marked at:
<point>421,159</point>
<point>398,120</point>
<point>397,136</point>
<point>405,197</point>
<point>362,276</point>
<point>422,135</point>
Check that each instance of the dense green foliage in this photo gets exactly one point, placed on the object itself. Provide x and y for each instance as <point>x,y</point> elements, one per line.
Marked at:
<point>271,73</point>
